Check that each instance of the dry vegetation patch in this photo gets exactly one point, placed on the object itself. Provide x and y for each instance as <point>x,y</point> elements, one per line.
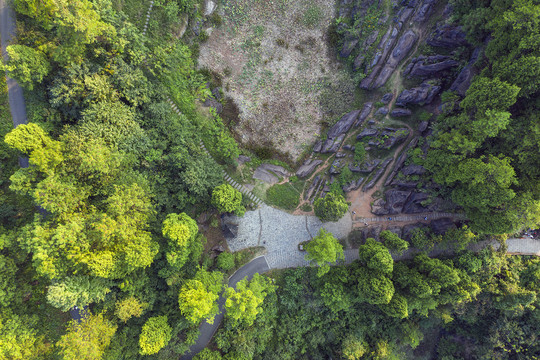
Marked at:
<point>276,65</point>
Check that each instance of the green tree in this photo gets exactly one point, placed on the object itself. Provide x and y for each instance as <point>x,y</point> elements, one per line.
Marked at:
<point>243,304</point>
<point>324,249</point>
<point>376,256</point>
<point>225,261</point>
<point>180,230</point>
<point>99,215</point>
<point>86,340</point>
<point>353,348</point>
<point>26,65</point>
<point>198,296</point>
<point>77,291</point>
<point>330,208</point>
<point>360,153</point>
<point>227,199</point>
<point>155,335</point>
<point>373,286</point>
<point>128,307</point>
<point>394,242</point>
<point>19,339</point>
<point>208,354</point>
<point>397,307</point>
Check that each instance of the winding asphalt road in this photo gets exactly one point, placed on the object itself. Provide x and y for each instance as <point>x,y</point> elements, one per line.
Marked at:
<point>257,265</point>
<point>15,93</point>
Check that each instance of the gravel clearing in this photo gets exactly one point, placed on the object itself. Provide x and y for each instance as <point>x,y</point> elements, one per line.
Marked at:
<point>280,233</point>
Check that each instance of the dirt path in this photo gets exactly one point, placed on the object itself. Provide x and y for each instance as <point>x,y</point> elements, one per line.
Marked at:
<point>360,200</point>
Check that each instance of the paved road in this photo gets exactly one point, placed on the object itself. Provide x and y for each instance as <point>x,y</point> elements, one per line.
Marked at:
<point>258,265</point>
<point>15,93</point>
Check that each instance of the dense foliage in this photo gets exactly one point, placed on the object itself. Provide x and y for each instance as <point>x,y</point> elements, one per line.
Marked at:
<point>102,221</point>
<point>485,147</point>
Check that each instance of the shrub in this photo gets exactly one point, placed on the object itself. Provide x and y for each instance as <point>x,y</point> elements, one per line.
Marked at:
<point>284,196</point>
<point>225,261</point>
<point>312,16</point>
<point>331,208</point>
<point>156,334</point>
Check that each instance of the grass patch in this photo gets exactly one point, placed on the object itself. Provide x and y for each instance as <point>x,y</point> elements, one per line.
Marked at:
<point>285,196</point>
<point>306,207</point>
<point>312,17</point>
<point>244,256</point>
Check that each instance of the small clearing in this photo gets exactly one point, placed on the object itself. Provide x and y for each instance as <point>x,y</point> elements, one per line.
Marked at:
<point>276,65</point>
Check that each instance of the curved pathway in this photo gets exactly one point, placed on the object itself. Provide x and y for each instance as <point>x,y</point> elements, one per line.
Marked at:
<point>257,265</point>
<point>17,105</point>
<point>280,233</point>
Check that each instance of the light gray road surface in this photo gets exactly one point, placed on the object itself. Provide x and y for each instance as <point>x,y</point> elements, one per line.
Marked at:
<point>258,265</point>
<point>16,99</point>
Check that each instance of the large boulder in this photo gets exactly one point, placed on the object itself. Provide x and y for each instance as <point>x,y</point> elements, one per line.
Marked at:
<point>242,159</point>
<point>348,46</point>
<point>367,132</point>
<point>430,66</point>
<point>395,200</point>
<point>402,48</point>
<point>278,170</point>
<point>265,176</point>
<point>424,11</point>
<point>308,167</point>
<point>463,81</point>
<point>399,112</point>
<point>423,94</point>
<point>332,145</point>
<point>447,36</point>
<point>387,98</point>
<point>364,113</point>
<point>366,167</point>
<point>393,136</point>
<point>344,124</point>
<point>413,170</point>
<point>353,185</point>
<point>377,175</point>
<point>379,207</point>
<point>440,226</point>
<point>336,166</point>
<point>382,111</point>
<point>270,173</point>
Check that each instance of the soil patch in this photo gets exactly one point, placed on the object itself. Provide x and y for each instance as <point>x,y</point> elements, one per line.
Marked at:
<point>275,64</point>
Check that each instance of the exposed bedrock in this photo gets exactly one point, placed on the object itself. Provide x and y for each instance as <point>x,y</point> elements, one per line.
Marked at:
<point>440,226</point>
<point>308,167</point>
<point>270,173</point>
<point>463,81</point>
<point>366,167</point>
<point>424,11</point>
<point>377,175</point>
<point>332,145</point>
<point>447,36</point>
<point>403,46</point>
<point>429,66</point>
<point>399,112</point>
<point>344,124</point>
<point>395,200</point>
<point>353,185</point>
<point>422,94</point>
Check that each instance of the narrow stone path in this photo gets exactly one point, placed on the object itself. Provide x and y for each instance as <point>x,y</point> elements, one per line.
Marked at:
<point>245,191</point>
<point>148,17</point>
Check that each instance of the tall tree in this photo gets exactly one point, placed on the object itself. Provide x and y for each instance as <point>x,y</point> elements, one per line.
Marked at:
<point>155,335</point>
<point>243,304</point>
<point>86,340</point>
<point>324,249</point>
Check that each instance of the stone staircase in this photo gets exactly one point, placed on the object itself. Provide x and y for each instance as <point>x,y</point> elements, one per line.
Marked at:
<point>245,191</point>
<point>148,17</point>
<point>408,218</point>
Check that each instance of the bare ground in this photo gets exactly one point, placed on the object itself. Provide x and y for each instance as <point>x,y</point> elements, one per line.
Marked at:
<point>275,62</point>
